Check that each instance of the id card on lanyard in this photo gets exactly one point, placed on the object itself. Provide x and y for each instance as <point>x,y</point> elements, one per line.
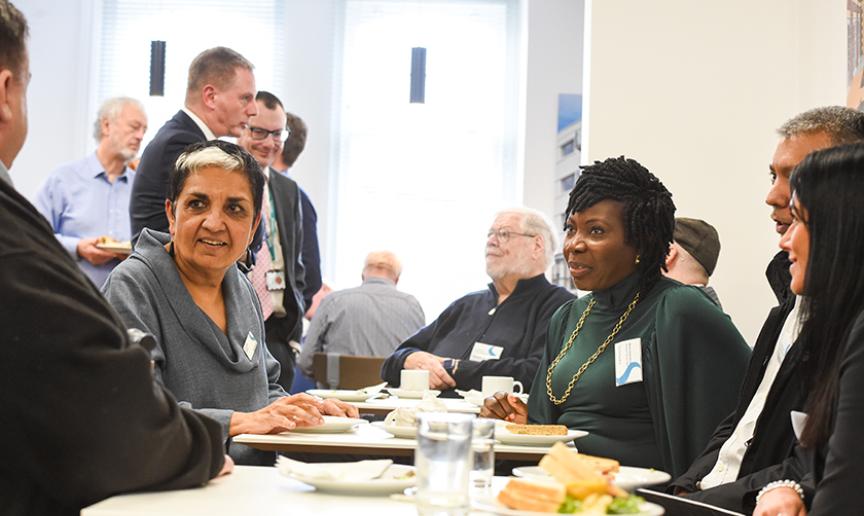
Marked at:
<point>275,278</point>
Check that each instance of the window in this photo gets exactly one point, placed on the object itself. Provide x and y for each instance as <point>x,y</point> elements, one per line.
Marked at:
<point>424,180</point>
<point>251,27</point>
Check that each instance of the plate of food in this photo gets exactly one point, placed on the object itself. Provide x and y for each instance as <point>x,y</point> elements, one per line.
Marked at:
<point>575,484</point>
<point>534,435</point>
<point>332,425</point>
<point>344,394</point>
<point>107,243</point>
<point>400,431</point>
<point>413,395</point>
<point>627,478</point>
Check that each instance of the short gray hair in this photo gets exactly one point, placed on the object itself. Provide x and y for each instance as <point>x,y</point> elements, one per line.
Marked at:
<point>842,124</point>
<point>536,223</point>
<point>111,109</point>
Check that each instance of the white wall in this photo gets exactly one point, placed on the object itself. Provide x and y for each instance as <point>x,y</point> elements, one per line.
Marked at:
<point>694,91</point>
<point>553,66</point>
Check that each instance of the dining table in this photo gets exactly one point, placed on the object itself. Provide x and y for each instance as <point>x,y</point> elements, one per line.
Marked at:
<point>381,407</point>
<point>254,490</point>
<point>368,440</point>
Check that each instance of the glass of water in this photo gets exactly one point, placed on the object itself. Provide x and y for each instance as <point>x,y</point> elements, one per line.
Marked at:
<point>483,451</point>
<point>443,460</point>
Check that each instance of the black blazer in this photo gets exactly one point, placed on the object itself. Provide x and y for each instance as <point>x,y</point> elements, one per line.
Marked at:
<point>150,188</point>
<point>286,204</point>
<point>773,440</point>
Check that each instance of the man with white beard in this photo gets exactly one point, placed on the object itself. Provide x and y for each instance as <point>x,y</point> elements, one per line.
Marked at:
<point>499,331</point>
<point>87,201</point>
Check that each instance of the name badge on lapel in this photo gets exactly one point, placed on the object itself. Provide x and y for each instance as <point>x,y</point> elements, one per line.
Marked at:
<point>275,280</point>
<point>482,352</point>
<point>628,362</point>
<point>250,345</point>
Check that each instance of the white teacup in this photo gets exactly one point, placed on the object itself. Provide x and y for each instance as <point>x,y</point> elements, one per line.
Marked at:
<point>414,380</point>
<point>493,384</point>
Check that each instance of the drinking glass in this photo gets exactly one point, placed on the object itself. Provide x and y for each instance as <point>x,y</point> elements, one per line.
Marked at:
<point>443,460</point>
<point>483,451</point>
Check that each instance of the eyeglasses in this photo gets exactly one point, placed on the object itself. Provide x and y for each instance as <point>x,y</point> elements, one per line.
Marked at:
<point>259,133</point>
<point>503,234</point>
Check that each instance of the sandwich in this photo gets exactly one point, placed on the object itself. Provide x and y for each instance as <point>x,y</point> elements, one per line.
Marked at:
<point>582,475</point>
<point>532,495</point>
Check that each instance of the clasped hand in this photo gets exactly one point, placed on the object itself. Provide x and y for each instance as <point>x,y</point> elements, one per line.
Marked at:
<point>287,413</point>
<point>438,377</point>
<point>505,406</point>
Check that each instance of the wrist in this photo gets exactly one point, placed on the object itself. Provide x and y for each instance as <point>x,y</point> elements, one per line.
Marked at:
<point>777,484</point>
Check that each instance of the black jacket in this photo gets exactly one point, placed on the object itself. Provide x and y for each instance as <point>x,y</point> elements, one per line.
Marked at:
<point>81,418</point>
<point>147,201</point>
<point>773,438</point>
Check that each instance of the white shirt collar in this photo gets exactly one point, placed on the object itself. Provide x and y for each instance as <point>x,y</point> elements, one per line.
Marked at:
<point>200,123</point>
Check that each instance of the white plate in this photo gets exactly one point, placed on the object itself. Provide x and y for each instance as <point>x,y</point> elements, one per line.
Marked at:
<point>390,482</point>
<point>412,395</point>
<point>401,431</point>
<point>628,478</point>
<point>332,425</point>
<point>492,505</point>
<point>342,394</point>
<point>505,437</point>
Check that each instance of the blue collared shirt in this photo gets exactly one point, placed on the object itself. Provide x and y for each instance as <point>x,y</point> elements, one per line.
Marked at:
<point>80,202</point>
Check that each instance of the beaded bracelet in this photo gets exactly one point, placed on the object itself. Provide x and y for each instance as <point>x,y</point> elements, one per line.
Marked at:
<point>791,484</point>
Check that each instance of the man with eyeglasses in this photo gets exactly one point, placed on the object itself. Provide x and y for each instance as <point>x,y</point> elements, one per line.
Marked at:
<point>278,274</point>
<point>495,332</point>
<point>220,98</point>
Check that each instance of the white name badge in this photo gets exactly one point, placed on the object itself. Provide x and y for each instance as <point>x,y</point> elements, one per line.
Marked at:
<point>482,352</point>
<point>250,345</point>
<point>628,362</point>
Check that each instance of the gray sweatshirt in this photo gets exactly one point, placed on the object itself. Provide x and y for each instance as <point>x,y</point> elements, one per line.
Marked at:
<point>203,367</point>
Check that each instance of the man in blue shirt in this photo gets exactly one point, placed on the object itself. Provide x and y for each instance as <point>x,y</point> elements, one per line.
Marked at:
<point>87,201</point>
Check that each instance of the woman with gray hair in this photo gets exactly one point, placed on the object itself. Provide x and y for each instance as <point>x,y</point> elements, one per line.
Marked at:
<point>186,289</point>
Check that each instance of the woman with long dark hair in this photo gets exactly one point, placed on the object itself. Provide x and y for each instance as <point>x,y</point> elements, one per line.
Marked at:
<point>826,247</point>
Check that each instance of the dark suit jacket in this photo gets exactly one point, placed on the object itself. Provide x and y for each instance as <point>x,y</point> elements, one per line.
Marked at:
<point>286,204</point>
<point>147,202</point>
<point>310,253</point>
<point>773,440</point>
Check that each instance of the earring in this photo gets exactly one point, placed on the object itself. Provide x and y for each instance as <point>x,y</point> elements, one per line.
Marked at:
<point>637,259</point>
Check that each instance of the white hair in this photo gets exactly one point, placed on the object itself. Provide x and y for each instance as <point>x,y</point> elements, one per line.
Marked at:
<point>208,157</point>
<point>111,109</point>
<point>536,223</point>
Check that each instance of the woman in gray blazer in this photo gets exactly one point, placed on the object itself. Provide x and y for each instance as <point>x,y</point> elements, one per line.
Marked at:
<point>186,289</point>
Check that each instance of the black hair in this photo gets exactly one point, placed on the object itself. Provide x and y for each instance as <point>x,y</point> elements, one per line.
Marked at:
<point>649,213</point>
<point>236,158</point>
<point>829,185</point>
<point>270,101</point>
<point>296,141</point>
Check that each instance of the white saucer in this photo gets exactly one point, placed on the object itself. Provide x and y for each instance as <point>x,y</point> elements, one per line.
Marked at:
<point>412,395</point>
<point>401,431</point>
<point>343,394</point>
<point>396,479</point>
<point>332,425</point>
<point>505,437</point>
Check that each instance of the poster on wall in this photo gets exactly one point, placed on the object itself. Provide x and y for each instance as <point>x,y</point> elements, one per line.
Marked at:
<point>855,55</point>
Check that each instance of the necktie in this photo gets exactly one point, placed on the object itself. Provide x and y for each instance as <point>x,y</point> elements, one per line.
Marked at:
<point>258,276</point>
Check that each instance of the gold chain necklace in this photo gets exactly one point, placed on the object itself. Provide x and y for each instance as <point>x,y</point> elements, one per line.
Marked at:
<point>593,358</point>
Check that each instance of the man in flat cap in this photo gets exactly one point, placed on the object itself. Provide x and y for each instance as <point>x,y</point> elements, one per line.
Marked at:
<point>693,254</point>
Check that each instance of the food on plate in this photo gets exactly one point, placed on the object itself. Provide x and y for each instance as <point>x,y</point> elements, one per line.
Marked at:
<point>514,428</point>
<point>532,495</point>
<point>584,480</point>
<point>407,416</point>
<point>107,241</point>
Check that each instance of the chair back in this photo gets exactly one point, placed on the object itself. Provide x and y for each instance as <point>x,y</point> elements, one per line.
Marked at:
<point>345,371</point>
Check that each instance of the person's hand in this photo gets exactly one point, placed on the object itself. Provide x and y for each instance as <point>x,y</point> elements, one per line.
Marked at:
<point>88,251</point>
<point>438,377</point>
<point>281,415</point>
<point>227,468</point>
<point>505,406</point>
<point>780,501</point>
<point>339,408</point>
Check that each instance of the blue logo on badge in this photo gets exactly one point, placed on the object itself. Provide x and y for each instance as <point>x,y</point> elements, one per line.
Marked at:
<point>621,380</point>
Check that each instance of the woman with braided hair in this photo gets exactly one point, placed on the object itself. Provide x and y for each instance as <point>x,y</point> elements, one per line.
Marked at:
<point>646,365</point>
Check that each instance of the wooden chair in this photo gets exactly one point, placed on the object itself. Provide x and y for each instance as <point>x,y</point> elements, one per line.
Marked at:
<point>336,371</point>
